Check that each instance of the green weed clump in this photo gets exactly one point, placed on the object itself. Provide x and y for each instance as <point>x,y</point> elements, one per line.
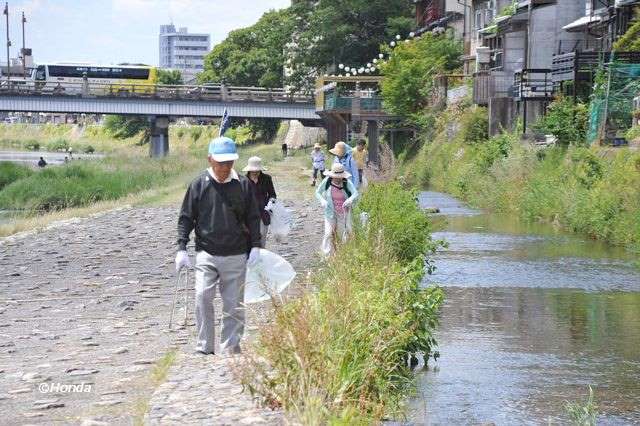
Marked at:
<point>11,172</point>
<point>583,414</point>
<point>339,355</point>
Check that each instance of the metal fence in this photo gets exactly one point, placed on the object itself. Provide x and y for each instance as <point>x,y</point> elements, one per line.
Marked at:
<point>213,92</point>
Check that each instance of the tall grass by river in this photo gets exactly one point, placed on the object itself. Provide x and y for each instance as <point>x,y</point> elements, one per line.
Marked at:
<point>338,355</point>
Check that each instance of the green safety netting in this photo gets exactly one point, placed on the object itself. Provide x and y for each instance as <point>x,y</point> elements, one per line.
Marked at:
<point>611,108</point>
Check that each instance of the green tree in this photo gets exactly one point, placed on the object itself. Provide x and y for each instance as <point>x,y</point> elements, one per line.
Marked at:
<point>566,121</point>
<point>409,73</point>
<point>172,77</point>
<point>330,32</point>
<point>252,56</point>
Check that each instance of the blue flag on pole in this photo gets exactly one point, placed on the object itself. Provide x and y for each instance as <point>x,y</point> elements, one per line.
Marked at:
<point>225,123</point>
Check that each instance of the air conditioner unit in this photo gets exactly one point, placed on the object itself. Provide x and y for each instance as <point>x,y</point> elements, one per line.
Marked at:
<point>483,55</point>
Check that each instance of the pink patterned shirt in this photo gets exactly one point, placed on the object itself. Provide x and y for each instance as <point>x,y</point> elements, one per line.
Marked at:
<point>339,197</point>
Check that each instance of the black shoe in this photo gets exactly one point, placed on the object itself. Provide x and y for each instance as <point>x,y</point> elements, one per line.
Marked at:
<point>197,352</point>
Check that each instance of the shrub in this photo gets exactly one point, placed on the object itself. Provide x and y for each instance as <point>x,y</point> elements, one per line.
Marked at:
<point>58,145</point>
<point>195,133</point>
<point>406,229</point>
<point>11,172</point>
<point>123,127</point>
<point>495,148</point>
<point>567,121</point>
<point>180,132</point>
<point>89,149</point>
<point>475,126</point>
<point>32,145</point>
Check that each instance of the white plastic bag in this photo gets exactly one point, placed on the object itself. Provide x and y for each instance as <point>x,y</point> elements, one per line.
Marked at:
<point>267,278</point>
<point>280,219</point>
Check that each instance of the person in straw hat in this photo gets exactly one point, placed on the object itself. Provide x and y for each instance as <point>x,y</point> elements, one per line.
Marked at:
<point>344,156</point>
<point>336,194</point>
<point>317,161</point>
<point>264,191</point>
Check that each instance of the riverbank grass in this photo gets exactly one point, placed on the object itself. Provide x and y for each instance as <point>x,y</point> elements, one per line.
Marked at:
<point>594,191</point>
<point>83,188</point>
<point>338,354</point>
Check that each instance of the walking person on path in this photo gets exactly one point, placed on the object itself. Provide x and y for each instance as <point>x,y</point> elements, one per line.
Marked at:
<point>221,207</point>
<point>336,194</point>
<point>344,156</point>
<point>361,156</point>
<point>264,191</point>
<point>317,162</point>
<point>285,149</point>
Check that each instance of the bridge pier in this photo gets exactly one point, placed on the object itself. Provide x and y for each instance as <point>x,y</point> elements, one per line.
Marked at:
<point>373,135</point>
<point>336,129</point>
<point>159,143</point>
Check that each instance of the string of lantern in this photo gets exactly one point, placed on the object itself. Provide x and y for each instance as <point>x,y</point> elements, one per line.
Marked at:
<point>374,65</point>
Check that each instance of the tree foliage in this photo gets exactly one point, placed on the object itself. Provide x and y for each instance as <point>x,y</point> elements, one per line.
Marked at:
<point>252,56</point>
<point>566,121</point>
<point>173,77</point>
<point>410,71</point>
<point>330,32</point>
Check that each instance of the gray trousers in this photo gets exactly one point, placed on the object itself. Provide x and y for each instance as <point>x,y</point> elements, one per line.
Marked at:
<point>264,230</point>
<point>227,273</point>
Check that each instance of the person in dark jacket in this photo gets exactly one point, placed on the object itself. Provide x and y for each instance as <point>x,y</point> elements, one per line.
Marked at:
<point>41,162</point>
<point>263,188</point>
<point>221,207</point>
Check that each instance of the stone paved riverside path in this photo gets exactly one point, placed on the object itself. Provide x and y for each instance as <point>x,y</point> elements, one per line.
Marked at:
<point>87,303</point>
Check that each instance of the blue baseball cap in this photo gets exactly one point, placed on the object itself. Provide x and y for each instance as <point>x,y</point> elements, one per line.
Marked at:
<point>223,149</point>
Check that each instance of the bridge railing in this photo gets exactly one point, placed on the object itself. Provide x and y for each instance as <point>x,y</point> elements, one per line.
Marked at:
<point>206,92</point>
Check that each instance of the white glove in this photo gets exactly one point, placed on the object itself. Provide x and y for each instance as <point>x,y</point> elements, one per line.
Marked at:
<point>254,256</point>
<point>182,260</point>
<point>269,206</point>
<point>323,203</point>
<point>347,203</point>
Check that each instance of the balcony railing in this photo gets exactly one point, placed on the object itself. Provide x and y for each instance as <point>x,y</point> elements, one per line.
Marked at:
<point>488,85</point>
<point>533,83</point>
<point>581,65</point>
<point>348,102</point>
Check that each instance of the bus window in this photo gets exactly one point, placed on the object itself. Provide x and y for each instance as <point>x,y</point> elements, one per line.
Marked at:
<point>40,73</point>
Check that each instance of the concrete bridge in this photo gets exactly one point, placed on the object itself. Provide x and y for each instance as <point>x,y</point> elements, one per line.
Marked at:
<point>158,102</point>
<point>162,102</point>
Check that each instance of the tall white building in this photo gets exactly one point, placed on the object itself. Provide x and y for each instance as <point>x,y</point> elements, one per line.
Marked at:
<point>183,51</point>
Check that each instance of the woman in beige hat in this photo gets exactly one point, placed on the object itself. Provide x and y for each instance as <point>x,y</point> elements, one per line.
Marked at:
<point>344,156</point>
<point>264,191</point>
<point>336,194</point>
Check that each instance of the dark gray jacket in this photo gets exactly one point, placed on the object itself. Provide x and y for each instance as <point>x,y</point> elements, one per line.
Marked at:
<point>221,229</point>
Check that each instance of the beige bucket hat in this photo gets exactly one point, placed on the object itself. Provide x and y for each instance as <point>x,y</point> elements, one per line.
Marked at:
<point>317,146</point>
<point>254,164</point>
<point>339,149</point>
<point>337,171</point>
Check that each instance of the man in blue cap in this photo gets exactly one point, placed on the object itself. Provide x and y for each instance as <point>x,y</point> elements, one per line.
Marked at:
<point>221,207</point>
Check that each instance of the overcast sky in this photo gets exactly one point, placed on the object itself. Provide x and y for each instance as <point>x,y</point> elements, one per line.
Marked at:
<point>113,31</point>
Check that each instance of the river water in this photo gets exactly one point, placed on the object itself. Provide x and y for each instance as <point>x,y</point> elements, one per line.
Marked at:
<point>532,318</point>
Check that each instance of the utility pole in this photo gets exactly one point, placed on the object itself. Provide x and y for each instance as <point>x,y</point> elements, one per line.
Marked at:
<point>24,61</point>
<point>6,13</point>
